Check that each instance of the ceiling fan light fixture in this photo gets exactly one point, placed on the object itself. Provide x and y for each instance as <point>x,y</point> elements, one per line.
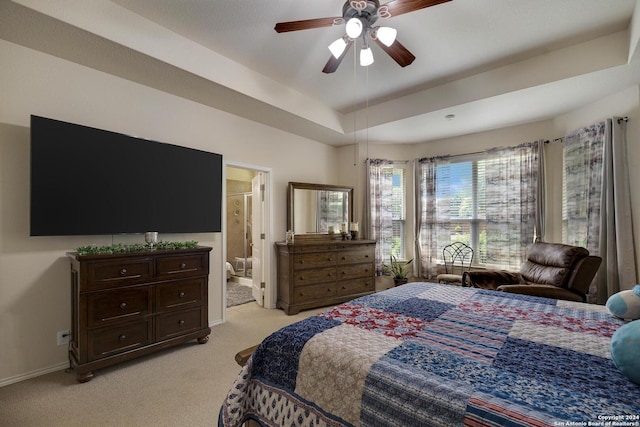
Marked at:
<point>386,35</point>
<point>337,47</point>
<point>366,56</point>
<point>354,28</point>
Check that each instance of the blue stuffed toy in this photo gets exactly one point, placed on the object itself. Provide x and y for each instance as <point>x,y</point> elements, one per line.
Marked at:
<point>625,304</point>
<point>625,350</point>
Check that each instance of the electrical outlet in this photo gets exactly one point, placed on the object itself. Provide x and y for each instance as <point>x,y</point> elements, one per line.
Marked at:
<point>63,337</point>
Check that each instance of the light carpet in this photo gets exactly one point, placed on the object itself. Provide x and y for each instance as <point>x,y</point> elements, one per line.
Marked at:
<point>184,386</point>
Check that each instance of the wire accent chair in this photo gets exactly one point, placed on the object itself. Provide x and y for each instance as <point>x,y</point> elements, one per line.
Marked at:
<point>457,258</point>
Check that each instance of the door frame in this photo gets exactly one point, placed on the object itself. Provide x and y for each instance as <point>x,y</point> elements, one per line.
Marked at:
<point>270,293</point>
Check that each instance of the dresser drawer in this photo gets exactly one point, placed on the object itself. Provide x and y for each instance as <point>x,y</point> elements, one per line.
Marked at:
<point>314,293</point>
<point>355,256</point>
<point>308,277</point>
<point>178,323</point>
<point>355,286</point>
<point>182,266</point>
<point>314,260</point>
<point>118,272</point>
<point>117,339</point>
<point>115,306</point>
<point>354,271</point>
<point>180,294</point>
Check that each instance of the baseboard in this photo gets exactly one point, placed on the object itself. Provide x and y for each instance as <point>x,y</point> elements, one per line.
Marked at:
<point>33,374</point>
<point>215,323</point>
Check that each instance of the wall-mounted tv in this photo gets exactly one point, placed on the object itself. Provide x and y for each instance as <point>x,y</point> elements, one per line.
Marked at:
<point>87,181</point>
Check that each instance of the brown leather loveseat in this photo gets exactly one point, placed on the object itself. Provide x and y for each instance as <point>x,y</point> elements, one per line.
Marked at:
<point>552,270</point>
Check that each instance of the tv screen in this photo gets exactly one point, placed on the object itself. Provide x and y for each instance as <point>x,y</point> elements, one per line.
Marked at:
<point>87,181</point>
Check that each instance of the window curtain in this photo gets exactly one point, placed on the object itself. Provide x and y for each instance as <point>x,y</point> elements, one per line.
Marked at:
<point>432,213</point>
<point>616,227</point>
<point>583,152</point>
<point>583,169</point>
<point>541,197</point>
<point>378,221</point>
<point>512,190</point>
<point>511,175</point>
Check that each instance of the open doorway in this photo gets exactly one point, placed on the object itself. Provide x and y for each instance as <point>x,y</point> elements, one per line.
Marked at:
<point>247,230</point>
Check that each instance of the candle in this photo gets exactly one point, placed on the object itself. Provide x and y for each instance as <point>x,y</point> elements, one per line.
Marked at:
<point>354,226</point>
<point>343,227</point>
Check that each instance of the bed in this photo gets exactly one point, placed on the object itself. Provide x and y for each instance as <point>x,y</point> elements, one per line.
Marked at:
<point>425,354</point>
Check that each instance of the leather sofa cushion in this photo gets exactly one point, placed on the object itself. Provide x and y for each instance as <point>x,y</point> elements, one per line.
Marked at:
<point>550,263</point>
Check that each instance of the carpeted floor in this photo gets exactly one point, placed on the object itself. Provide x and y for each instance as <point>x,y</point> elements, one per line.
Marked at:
<point>238,294</point>
<point>182,386</point>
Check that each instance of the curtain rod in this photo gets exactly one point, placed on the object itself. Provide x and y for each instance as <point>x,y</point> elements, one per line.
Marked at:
<point>393,161</point>
<point>619,120</point>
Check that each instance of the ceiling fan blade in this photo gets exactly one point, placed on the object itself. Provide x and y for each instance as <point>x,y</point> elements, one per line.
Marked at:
<point>283,27</point>
<point>398,7</point>
<point>334,63</point>
<point>398,52</point>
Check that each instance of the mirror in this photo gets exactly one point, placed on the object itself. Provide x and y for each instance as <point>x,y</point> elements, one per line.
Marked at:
<point>313,208</point>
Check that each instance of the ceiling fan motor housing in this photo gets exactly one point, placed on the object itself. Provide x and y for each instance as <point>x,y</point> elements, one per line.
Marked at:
<point>366,10</point>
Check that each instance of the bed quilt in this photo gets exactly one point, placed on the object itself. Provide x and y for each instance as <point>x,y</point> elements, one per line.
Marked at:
<point>425,354</point>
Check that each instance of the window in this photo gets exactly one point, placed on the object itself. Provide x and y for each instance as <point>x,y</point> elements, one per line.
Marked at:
<point>461,186</point>
<point>398,211</point>
<point>487,201</point>
<point>386,209</point>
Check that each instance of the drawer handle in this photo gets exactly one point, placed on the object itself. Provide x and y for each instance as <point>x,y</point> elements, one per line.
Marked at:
<point>181,294</point>
<point>344,288</point>
<point>183,266</point>
<point>181,322</point>
<point>122,337</point>
<point>330,274</point>
<point>123,271</point>
<point>301,294</point>
<point>123,305</point>
<point>366,256</point>
<point>328,289</point>
<point>344,258</point>
<point>301,261</point>
<point>330,258</point>
<point>301,277</point>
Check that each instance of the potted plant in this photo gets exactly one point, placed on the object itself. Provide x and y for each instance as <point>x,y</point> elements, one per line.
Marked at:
<point>398,270</point>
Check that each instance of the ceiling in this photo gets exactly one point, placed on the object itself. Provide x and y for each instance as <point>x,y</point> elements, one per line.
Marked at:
<point>491,63</point>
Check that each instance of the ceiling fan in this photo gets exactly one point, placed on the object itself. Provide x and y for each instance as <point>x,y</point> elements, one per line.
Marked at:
<point>359,17</point>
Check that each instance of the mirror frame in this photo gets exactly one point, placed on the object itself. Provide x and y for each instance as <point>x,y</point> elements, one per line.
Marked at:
<point>307,186</point>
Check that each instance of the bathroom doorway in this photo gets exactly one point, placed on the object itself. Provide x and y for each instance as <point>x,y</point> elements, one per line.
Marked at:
<point>247,263</point>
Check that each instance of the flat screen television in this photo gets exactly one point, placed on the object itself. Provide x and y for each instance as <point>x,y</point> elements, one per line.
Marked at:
<point>87,181</point>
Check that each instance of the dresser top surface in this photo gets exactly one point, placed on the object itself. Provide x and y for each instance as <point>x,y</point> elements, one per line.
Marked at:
<point>327,242</point>
<point>169,252</point>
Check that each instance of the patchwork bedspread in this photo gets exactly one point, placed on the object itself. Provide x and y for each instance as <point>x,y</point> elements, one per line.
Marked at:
<point>425,354</point>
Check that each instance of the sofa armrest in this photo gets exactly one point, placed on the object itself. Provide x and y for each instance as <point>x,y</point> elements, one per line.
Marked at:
<point>547,291</point>
<point>489,279</point>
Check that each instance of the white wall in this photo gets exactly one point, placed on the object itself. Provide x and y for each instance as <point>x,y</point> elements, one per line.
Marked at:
<point>34,272</point>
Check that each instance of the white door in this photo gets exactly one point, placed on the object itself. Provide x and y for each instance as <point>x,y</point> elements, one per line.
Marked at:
<point>258,237</point>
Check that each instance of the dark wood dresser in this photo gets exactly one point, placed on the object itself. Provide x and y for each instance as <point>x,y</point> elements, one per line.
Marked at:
<point>319,273</point>
<point>127,305</point>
